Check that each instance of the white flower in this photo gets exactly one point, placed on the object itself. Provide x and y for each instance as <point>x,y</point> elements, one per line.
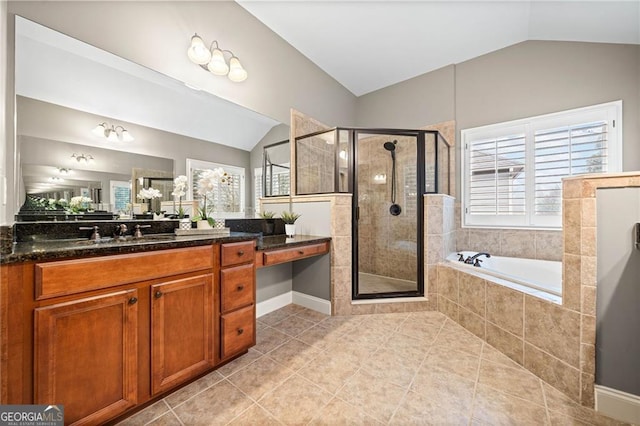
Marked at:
<point>79,201</point>
<point>149,194</point>
<point>209,181</point>
<point>179,186</point>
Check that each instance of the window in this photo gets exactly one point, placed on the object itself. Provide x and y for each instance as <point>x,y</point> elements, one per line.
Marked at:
<point>228,198</point>
<point>512,172</point>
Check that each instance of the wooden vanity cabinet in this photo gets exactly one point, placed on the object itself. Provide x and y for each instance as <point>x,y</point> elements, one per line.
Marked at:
<point>100,346</point>
<point>85,356</point>
<point>237,299</point>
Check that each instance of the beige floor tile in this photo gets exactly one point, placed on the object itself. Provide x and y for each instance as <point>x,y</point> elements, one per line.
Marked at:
<point>423,331</point>
<point>416,348</point>
<point>433,318</point>
<point>434,408</point>
<point>444,384</point>
<point>148,414</point>
<point>239,363</point>
<point>394,366</point>
<point>339,413</point>
<point>453,361</point>
<point>384,322</point>
<point>293,325</point>
<point>276,316</point>
<point>255,415</point>
<point>181,395</point>
<point>558,419</point>
<point>269,339</point>
<point>514,381</point>
<point>342,323</point>
<point>559,404</point>
<point>461,340</point>
<point>216,405</point>
<point>260,377</point>
<point>296,401</point>
<point>168,419</point>
<point>492,354</point>
<point>497,408</point>
<point>375,396</point>
<point>311,315</point>
<point>330,371</point>
<point>320,337</point>
<point>294,354</point>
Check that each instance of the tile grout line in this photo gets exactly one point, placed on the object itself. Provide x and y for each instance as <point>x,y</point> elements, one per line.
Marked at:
<point>476,383</point>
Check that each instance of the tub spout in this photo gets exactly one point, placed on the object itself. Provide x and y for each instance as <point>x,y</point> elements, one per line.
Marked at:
<point>470,260</point>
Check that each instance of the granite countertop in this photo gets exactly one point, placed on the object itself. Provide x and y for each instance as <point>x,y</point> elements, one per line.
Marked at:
<point>73,248</point>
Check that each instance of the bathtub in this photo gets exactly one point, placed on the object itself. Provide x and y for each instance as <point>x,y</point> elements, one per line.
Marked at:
<point>541,278</point>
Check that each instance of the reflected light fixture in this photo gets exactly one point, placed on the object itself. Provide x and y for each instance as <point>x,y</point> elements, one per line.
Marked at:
<point>380,178</point>
<point>112,133</point>
<point>82,158</point>
<point>212,59</point>
<point>56,179</point>
<point>64,171</point>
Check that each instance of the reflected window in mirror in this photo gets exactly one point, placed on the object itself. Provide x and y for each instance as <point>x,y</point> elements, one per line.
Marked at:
<point>120,194</point>
<point>227,196</point>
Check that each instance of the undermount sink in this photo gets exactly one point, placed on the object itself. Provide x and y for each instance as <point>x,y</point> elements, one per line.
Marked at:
<point>127,239</point>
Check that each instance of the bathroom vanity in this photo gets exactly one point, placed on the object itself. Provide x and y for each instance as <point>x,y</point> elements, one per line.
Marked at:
<point>104,327</point>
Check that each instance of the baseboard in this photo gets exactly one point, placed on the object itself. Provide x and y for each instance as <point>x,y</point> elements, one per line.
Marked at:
<point>617,404</point>
<point>275,303</point>
<point>314,303</point>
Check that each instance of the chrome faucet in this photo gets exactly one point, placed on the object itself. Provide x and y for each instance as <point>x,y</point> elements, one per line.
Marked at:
<point>473,260</point>
<point>138,233</point>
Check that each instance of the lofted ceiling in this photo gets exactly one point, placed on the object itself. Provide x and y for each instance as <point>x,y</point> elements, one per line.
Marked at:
<point>368,45</point>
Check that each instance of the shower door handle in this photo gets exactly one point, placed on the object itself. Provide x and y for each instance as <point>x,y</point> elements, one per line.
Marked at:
<point>358,213</point>
<point>637,235</point>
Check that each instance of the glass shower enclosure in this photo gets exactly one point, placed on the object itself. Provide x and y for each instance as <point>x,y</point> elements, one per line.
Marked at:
<point>387,171</point>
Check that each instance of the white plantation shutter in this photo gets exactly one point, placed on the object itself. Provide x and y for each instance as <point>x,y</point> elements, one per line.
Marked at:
<point>496,175</point>
<point>512,172</point>
<point>228,198</point>
<point>566,151</point>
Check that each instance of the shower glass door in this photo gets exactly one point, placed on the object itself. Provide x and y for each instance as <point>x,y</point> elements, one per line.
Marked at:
<point>387,214</point>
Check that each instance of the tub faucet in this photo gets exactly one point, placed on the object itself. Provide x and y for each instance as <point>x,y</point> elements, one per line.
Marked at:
<point>473,260</point>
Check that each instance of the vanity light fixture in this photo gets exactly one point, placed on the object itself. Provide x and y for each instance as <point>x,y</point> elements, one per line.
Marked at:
<point>82,158</point>
<point>56,179</point>
<point>64,171</point>
<point>112,133</point>
<point>212,59</point>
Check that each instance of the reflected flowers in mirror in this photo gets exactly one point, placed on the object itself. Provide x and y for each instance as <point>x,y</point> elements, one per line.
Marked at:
<point>179,191</point>
<point>151,194</point>
<point>79,204</point>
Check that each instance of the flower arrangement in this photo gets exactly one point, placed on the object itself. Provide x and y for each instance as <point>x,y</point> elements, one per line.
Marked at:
<point>150,194</point>
<point>207,184</point>
<point>79,204</point>
<point>180,190</point>
<point>289,218</point>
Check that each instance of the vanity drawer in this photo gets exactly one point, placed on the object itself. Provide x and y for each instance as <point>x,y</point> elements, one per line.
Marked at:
<point>65,277</point>
<point>237,287</point>
<point>238,331</point>
<point>294,253</point>
<point>237,253</point>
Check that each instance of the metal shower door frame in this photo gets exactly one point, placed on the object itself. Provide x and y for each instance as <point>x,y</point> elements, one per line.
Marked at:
<point>420,187</point>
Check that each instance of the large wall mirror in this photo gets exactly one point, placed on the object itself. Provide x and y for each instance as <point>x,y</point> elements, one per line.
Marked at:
<point>65,88</point>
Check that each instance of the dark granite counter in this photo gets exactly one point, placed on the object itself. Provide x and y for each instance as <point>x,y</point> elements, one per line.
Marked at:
<point>59,249</point>
<point>40,250</point>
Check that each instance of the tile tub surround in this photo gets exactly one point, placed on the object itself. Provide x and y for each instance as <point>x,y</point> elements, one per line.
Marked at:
<point>557,343</point>
<point>395,369</point>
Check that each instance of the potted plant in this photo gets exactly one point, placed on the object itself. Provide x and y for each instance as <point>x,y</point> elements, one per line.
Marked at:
<point>269,223</point>
<point>179,191</point>
<point>289,219</point>
<point>153,196</point>
<point>207,185</point>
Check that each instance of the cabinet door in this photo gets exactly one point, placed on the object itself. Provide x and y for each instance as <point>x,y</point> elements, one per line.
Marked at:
<point>86,356</point>
<point>181,330</point>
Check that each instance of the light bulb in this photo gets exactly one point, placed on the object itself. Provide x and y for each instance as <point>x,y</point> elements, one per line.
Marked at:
<point>99,130</point>
<point>198,52</point>
<point>113,136</point>
<point>218,65</point>
<point>236,72</point>
<point>126,136</point>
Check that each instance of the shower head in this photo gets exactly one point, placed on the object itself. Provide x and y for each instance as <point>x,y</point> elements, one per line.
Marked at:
<point>390,146</point>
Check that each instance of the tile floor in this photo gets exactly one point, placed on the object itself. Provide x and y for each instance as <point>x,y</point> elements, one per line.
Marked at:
<point>371,283</point>
<point>400,369</point>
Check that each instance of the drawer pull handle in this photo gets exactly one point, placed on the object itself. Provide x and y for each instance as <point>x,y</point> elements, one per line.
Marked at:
<point>240,331</point>
<point>158,294</point>
<point>240,252</point>
<point>300,251</point>
<point>241,287</point>
<point>133,300</point>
